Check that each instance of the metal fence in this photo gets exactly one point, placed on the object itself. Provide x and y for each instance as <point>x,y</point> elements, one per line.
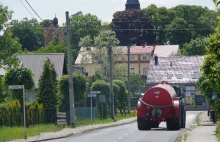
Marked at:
<point>14,117</point>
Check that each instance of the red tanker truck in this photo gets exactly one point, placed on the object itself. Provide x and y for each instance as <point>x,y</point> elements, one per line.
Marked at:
<point>161,103</point>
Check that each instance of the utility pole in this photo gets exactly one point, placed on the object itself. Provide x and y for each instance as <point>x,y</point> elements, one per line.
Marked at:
<point>111,85</point>
<point>129,83</point>
<point>139,67</point>
<point>70,78</point>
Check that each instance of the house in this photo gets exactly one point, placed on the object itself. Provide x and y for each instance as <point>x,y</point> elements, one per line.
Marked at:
<point>51,30</point>
<point>144,51</point>
<point>183,71</point>
<point>35,63</point>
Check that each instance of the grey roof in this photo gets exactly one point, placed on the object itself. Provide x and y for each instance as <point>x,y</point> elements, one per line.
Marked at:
<point>35,63</point>
<point>185,65</point>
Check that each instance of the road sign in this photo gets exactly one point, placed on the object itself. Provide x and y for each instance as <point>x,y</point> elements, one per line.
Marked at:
<point>213,96</point>
<point>95,92</point>
<point>91,95</point>
<point>101,98</point>
<point>15,86</point>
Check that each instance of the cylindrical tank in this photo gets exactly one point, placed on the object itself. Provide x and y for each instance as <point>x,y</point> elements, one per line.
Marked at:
<point>160,95</point>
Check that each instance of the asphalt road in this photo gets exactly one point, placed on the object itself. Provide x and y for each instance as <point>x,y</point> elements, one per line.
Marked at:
<point>130,133</point>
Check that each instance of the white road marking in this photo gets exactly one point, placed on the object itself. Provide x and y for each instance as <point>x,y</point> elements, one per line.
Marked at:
<point>120,138</point>
<point>126,134</point>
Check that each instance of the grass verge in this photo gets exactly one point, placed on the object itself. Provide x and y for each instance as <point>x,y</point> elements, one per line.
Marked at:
<point>218,131</point>
<point>11,133</point>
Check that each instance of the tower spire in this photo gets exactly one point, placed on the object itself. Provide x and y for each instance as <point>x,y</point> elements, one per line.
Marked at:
<point>132,5</point>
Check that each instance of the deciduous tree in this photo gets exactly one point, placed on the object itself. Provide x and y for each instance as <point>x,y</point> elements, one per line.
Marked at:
<point>8,44</point>
<point>29,33</point>
<point>133,27</point>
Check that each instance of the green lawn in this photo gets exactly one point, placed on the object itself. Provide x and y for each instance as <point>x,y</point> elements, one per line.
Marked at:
<point>11,133</point>
<point>218,131</point>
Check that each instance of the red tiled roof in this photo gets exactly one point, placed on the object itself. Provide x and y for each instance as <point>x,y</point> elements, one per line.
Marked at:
<point>48,35</point>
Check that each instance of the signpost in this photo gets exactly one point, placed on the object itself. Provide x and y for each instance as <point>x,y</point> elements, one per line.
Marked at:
<point>92,95</point>
<point>12,87</point>
<point>102,99</point>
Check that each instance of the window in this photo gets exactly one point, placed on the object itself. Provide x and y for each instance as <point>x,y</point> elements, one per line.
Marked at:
<point>169,76</point>
<point>132,58</point>
<point>95,71</point>
<point>179,76</point>
<point>195,75</point>
<point>132,70</point>
<point>144,58</point>
<point>144,71</point>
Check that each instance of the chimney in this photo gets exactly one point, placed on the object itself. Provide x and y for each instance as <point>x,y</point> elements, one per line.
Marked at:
<point>152,53</point>
<point>171,64</point>
<point>156,59</point>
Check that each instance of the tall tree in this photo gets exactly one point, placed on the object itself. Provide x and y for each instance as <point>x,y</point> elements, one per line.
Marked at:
<point>160,16</point>
<point>190,22</point>
<point>29,33</point>
<point>47,86</point>
<point>8,44</point>
<point>82,26</point>
<point>195,47</point>
<point>99,53</point>
<point>211,66</point>
<point>133,27</point>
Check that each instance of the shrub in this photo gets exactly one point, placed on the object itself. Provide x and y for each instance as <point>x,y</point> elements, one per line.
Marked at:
<point>101,85</point>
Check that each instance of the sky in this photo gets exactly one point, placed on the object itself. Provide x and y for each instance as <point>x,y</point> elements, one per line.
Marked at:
<point>103,9</point>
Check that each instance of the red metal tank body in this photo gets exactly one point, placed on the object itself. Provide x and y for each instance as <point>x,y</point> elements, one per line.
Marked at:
<point>160,95</point>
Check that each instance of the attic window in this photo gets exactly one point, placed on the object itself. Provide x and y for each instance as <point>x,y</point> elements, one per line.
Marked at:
<point>169,76</point>
<point>179,76</point>
<point>195,75</point>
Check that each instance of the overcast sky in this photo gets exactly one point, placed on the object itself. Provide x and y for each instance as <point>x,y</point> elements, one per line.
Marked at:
<point>103,9</point>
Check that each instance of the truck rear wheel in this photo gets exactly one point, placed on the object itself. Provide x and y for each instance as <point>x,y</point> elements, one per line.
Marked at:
<point>183,120</point>
<point>173,124</point>
<point>143,124</point>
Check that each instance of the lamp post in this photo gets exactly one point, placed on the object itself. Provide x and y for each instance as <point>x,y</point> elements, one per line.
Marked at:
<point>69,55</point>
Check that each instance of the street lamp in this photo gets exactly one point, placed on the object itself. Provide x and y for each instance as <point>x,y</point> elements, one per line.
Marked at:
<point>69,55</point>
<point>129,89</point>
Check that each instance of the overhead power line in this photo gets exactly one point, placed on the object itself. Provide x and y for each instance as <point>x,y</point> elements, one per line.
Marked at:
<point>26,8</point>
<point>34,10</point>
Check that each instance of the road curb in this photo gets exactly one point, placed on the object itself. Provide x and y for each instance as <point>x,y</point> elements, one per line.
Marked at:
<point>182,135</point>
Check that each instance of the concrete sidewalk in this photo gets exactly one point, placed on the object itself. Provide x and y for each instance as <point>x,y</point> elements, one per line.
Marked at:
<point>70,132</point>
<point>205,132</point>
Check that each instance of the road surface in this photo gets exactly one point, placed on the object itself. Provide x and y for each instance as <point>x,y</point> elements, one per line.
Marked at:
<point>130,133</point>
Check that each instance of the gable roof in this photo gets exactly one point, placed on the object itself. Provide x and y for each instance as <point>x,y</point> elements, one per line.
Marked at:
<point>35,63</point>
<point>134,50</point>
<point>185,65</point>
<point>166,50</point>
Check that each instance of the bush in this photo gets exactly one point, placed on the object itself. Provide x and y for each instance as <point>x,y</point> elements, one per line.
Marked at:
<point>19,76</point>
<point>79,87</point>
<point>101,85</point>
<point>122,96</point>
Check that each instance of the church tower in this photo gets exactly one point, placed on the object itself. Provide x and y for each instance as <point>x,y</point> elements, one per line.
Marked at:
<point>132,5</point>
